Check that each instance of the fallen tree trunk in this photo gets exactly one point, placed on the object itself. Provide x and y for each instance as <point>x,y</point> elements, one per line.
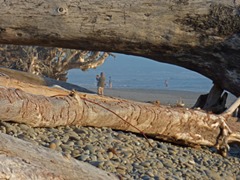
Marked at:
<point>201,35</point>
<point>22,160</point>
<point>55,107</point>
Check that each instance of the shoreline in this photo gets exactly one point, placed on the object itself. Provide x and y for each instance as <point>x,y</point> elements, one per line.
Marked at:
<point>166,97</point>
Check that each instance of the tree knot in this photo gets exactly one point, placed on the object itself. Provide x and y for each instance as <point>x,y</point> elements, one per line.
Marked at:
<point>60,11</point>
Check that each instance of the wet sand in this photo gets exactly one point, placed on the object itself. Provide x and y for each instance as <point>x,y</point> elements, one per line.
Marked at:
<point>166,97</point>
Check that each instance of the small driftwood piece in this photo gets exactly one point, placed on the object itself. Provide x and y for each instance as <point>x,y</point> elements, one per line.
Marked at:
<point>214,101</point>
<point>22,160</point>
<point>49,107</point>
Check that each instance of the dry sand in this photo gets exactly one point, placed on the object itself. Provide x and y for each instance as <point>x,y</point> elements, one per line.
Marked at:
<point>165,97</point>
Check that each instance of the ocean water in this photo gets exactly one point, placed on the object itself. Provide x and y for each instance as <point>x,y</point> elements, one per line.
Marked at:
<point>134,72</point>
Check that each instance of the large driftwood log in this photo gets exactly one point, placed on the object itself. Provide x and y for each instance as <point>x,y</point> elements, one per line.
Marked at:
<point>22,160</point>
<point>199,35</point>
<point>49,107</point>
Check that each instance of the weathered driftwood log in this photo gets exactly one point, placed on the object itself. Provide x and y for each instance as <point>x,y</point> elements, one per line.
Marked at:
<point>22,160</point>
<point>34,79</point>
<point>55,107</point>
<point>199,35</point>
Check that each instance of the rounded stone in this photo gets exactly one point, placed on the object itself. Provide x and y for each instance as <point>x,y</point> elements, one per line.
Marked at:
<point>52,146</point>
<point>83,157</point>
<point>90,147</point>
<point>57,142</point>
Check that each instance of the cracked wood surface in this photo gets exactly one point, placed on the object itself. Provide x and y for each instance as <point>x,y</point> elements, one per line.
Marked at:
<point>41,106</point>
<point>199,35</point>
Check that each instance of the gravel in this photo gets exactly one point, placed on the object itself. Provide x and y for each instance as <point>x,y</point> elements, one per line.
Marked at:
<point>128,155</point>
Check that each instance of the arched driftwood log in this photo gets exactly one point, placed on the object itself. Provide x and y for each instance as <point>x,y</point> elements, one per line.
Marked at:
<point>201,35</point>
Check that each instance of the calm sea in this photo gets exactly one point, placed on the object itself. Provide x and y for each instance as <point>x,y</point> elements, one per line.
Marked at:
<point>140,73</point>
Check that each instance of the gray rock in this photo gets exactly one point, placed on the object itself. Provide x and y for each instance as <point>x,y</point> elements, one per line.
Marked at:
<point>96,163</point>
<point>24,127</point>
<point>57,142</point>
<point>53,130</point>
<point>91,148</point>
<point>75,153</point>
<point>66,147</point>
<point>145,164</point>
<point>65,138</point>
<point>70,143</point>
<point>162,146</point>
<point>73,135</point>
<point>150,173</point>
<point>145,177</point>
<point>212,175</point>
<point>93,157</point>
<point>83,157</point>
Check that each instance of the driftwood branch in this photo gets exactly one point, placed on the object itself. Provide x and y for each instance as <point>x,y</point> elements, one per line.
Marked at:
<point>232,108</point>
<point>214,101</point>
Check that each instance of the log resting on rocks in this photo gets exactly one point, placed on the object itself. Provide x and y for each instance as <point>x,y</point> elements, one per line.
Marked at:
<point>41,106</point>
<point>22,160</point>
<point>199,35</point>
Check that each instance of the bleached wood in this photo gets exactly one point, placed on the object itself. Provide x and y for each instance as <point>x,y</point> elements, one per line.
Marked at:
<point>41,106</point>
<point>232,108</point>
<point>22,160</point>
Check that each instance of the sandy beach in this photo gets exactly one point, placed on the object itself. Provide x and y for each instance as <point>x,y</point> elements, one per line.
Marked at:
<point>166,97</point>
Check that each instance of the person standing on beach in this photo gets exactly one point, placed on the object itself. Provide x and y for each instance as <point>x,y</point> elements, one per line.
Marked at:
<point>166,83</point>
<point>101,84</point>
<point>110,82</point>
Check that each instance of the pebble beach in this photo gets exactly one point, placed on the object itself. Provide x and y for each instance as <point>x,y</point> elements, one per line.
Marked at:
<point>129,155</point>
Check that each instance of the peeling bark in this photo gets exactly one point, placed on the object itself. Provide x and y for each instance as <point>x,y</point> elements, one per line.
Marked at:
<point>49,107</point>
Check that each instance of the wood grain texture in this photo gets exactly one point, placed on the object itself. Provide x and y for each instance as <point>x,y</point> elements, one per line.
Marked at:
<point>199,35</point>
<point>22,160</point>
<point>41,106</point>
